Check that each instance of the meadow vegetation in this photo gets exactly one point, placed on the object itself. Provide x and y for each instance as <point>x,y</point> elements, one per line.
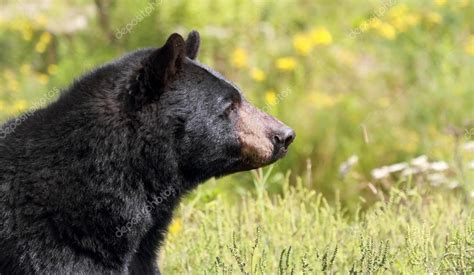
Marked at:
<point>411,231</point>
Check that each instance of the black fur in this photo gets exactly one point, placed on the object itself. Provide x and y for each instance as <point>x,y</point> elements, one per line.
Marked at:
<point>89,183</point>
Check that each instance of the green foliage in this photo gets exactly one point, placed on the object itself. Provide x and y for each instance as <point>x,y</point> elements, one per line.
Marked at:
<point>373,259</point>
<point>412,231</point>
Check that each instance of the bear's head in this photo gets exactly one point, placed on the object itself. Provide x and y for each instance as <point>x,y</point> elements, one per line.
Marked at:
<point>214,130</point>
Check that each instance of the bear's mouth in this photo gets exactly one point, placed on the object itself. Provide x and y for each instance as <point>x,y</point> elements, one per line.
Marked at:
<point>279,153</point>
<point>255,162</point>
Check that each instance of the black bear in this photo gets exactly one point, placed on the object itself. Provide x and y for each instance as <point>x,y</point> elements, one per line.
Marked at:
<point>89,183</point>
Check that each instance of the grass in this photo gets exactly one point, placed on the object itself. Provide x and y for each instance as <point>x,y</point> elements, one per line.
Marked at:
<point>412,231</point>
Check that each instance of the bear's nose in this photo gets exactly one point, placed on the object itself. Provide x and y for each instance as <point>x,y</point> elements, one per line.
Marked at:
<point>284,137</point>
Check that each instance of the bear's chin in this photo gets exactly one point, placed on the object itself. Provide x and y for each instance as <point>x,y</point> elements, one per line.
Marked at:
<point>279,154</point>
<point>249,165</point>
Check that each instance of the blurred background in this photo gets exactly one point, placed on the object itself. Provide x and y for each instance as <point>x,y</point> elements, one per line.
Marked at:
<point>377,91</point>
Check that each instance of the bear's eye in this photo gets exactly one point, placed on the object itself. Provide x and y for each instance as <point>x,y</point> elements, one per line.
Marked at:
<point>230,108</point>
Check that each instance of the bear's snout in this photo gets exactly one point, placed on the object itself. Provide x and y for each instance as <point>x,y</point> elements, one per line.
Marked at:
<point>263,138</point>
<point>282,137</point>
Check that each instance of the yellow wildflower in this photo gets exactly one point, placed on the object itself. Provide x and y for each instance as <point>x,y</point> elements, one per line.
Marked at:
<point>375,23</point>
<point>286,63</point>
<point>257,74</point>
<point>24,27</point>
<point>27,33</point>
<point>25,69</point>
<point>176,226</point>
<point>43,79</point>
<point>41,19</point>
<point>441,2</point>
<point>40,47</point>
<point>303,44</point>
<point>469,46</point>
<point>270,97</point>
<point>399,10</point>
<point>15,25</point>
<point>401,19</point>
<point>20,105</point>
<point>434,18</point>
<point>412,19</point>
<point>52,69</point>
<point>43,42</point>
<point>13,85</point>
<point>19,24</point>
<point>239,58</point>
<point>388,31</point>
<point>399,23</point>
<point>45,37</point>
<point>321,36</point>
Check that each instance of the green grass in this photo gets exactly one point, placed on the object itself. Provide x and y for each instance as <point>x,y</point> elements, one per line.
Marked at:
<point>412,231</point>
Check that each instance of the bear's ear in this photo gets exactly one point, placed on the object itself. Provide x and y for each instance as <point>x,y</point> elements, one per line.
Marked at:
<point>192,44</point>
<point>158,70</point>
<point>162,66</point>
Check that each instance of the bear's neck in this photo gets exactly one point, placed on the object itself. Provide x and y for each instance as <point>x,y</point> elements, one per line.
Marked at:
<point>131,183</point>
